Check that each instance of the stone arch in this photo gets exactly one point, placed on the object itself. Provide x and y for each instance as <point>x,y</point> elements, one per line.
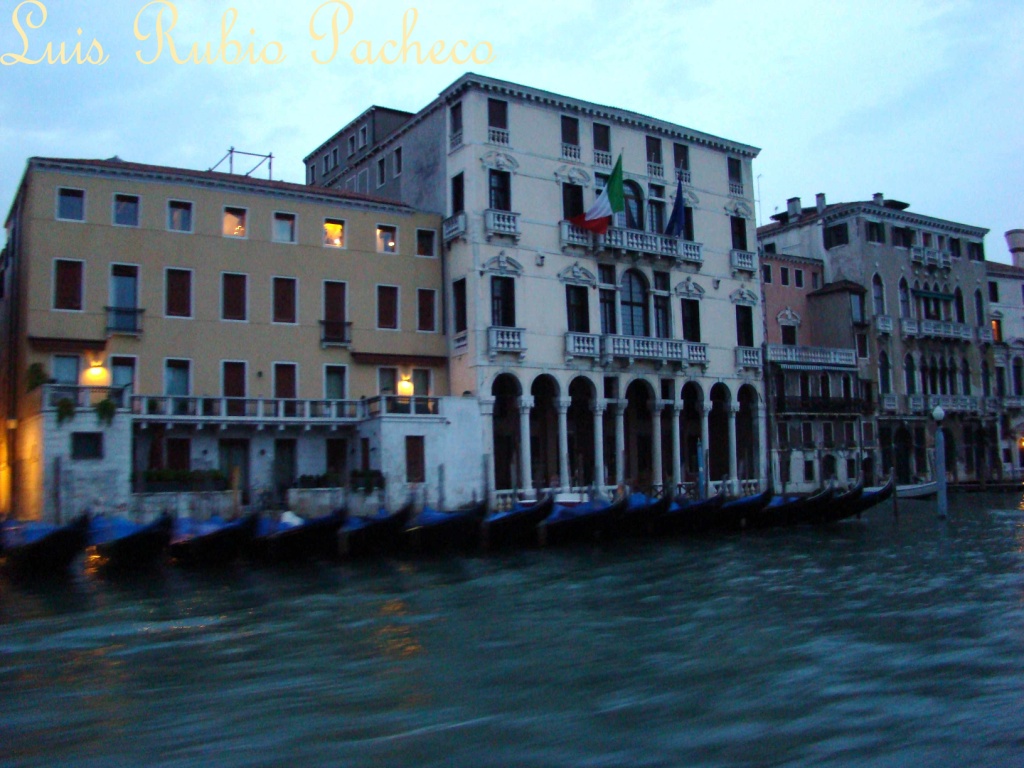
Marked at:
<point>718,431</point>
<point>506,391</point>
<point>544,431</point>
<point>580,425</point>
<point>639,445</point>
<point>877,295</point>
<point>747,437</point>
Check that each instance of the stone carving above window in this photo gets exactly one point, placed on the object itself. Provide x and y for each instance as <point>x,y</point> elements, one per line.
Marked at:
<point>565,174</point>
<point>577,275</point>
<point>502,264</point>
<point>743,296</point>
<point>690,200</point>
<point>500,161</point>
<point>739,208</point>
<point>690,289</point>
<point>788,317</point>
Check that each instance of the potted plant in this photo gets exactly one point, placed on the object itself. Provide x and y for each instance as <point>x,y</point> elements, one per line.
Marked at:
<point>65,410</point>
<point>105,410</point>
<point>35,377</point>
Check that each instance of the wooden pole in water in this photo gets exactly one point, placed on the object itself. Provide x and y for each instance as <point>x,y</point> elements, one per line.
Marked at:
<point>895,496</point>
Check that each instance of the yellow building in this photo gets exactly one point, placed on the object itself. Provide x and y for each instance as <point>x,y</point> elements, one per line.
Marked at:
<point>158,321</point>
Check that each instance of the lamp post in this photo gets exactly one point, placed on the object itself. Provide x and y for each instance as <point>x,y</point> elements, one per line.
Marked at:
<point>940,459</point>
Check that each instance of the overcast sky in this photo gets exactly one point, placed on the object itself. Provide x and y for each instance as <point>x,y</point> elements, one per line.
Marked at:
<point>920,101</point>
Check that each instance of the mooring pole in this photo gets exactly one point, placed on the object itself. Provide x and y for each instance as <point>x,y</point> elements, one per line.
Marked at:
<point>895,496</point>
<point>940,461</point>
<point>701,472</point>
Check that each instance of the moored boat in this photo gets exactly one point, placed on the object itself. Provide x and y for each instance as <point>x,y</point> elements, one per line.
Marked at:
<point>869,498</point>
<point>515,527</point>
<point>289,541</point>
<point>582,522</point>
<point>912,490</point>
<point>687,515</point>
<point>435,531</point>
<point>33,549</point>
<point>125,545</point>
<point>211,543</point>
<point>379,534</point>
<point>784,511</point>
<point>733,514</point>
<point>640,513</point>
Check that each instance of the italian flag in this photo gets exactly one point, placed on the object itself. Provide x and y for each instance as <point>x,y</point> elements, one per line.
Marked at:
<point>609,202</point>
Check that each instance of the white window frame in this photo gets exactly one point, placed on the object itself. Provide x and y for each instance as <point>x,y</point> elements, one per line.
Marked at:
<point>191,374</point>
<point>245,212</point>
<point>398,377</point>
<point>113,210</point>
<point>376,306</point>
<point>344,233</point>
<point>138,283</point>
<point>436,324</point>
<point>382,171</point>
<point>56,204</point>
<point>53,282</point>
<point>135,369</point>
<point>377,239</point>
<point>273,378</point>
<point>245,378</point>
<point>324,381</point>
<point>396,162</point>
<point>363,136</point>
<point>351,145</point>
<point>273,227</point>
<point>434,233</point>
<point>191,217</point>
<point>220,315</point>
<point>294,280</point>
<point>323,297</point>
<point>191,294</point>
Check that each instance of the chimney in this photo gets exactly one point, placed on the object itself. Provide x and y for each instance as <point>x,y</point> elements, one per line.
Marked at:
<point>879,198</point>
<point>819,200</point>
<point>1015,242</point>
<point>793,208</point>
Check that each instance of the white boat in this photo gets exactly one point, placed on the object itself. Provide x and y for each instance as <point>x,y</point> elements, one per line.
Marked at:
<point>913,490</point>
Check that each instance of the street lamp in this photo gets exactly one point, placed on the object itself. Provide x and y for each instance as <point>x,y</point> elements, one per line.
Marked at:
<point>940,459</point>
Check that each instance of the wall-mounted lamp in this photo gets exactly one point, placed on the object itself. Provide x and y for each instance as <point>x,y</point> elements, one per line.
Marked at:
<point>540,259</point>
<point>715,282</point>
<point>405,387</point>
<point>96,375</point>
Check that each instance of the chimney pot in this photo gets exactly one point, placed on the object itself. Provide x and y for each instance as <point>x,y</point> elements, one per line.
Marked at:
<point>1015,242</point>
<point>793,207</point>
<point>879,198</point>
<point>819,201</point>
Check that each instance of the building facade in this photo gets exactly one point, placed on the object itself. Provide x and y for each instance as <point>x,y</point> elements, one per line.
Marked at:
<point>594,359</point>
<point>909,312</point>
<point>159,322</point>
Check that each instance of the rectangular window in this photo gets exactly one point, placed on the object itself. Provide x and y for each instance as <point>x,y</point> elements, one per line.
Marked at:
<point>735,170</point>
<point>497,114</point>
<point>902,237</point>
<point>425,242</point>
<point>836,235</point>
<point>387,307</point>
<point>828,434</point>
<point>351,145</point>
<point>398,161</point>
<point>335,382</point>
<point>815,281</point>
<point>784,275</point>
<point>335,329</point>
<point>862,346</point>
<point>572,200</point>
<point>387,239</point>
<point>503,302</point>
<point>455,115</point>
<point>654,150</point>
<point>363,134</point>
<point>602,137</point>
<point>808,471</point>
<point>126,210</point>
<point>86,445</point>
<point>421,382</point>
<point>426,310</point>
<point>691,320</point>
<point>688,224</point>
<point>857,308</point>
<point>459,305</point>
<point>177,378</point>
<point>234,222</point>
<point>327,164</point>
<point>789,335</point>
<point>334,233</point>
<point>179,216</point>
<point>71,204</point>
<point>285,299</point>
<point>500,190</point>
<point>798,275</point>
<point>875,232</point>
<point>744,326</point>
<point>662,326</point>
<point>993,291</point>
<point>570,131</point>
<point>334,157</point>
<point>606,299</point>
<point>458,194</point>
<point>65,369</point>
<point>577,308</point>
<point>67,289</point>
<point>382,171</point>
<point>122,372</point>
<point>311,173</point>
<point>286,383</point>
<point>284,228</point>
<point>769,248</point>
<point>766,273</point>
<point>178,293</point>
<point>739,233</point>
<point>656,208</point>
<point>807,433</point>
<point>975,252</point>
<point>233,386</point>
<point>954,247</point>
<point>415,461</point>
<point>124,299</point>
<point>387,381</point>
<point>681,157</point>
<point>233,305</point>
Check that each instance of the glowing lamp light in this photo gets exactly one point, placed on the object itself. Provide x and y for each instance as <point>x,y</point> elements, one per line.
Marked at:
<point>96,375</point>
<point>405,388</point>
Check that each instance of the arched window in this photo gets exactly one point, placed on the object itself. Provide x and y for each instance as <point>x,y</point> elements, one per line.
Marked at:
<point>958,305</point>
<point>965,377</point>
<point>925,380</point>
<point>878,295</point>
<point>1018,378</point>
<point>979,309</point>
<point>805,387</point>
<point>634,199</point>
<point>826,386</point>
<point>918,301</point>
<point>634,305</point>
<point>884,374</point>
<point>934,372</point>
<point>910,375</point>
<point>986,380</point>
<point>943,390</point>
<point>951,372</point>
<point>847,387</point>
<point>904,298</point>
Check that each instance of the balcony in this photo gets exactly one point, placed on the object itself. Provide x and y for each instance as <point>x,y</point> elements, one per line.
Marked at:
<point>821,405</point>
<point>254,411</point>
<point>992,404</point>
<point>915,403</point>
<point>126,321</point>
<point>571,235</point>
<point>741,260</point>
<point>944,329</point>
<point>506,340</point>
<point>736,188</point>
<point>497,136</point>
<point>632,348</point>
<point>945,260</point>
<point>917,254</point>
<point>454,227</point>
<point>502,224</point>
<point>650,244</point>
<point>81,397</point>
<point>684,176</point>
<point>397,405</point>
<point>890,403</point>
<point>657,170</point>
<point>335,333</point>
<point>953,403</point>
<point>883,324</point>
<point>603,159</point>
<point>571,152</point>
<point>582,345</point>
<point>985,335</point>
<point>748,357</point>
<point>909,327</point>
<point>455,141</point>
<point>1015,402</point>
<point>695,352</point>
<point>782,353</point>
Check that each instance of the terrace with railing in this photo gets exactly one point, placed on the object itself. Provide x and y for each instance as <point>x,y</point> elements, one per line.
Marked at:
<point>650,244</point>
<point>782,353</point>
<point>454,227</point>
<point>501,223</point>
<point>506,340</point>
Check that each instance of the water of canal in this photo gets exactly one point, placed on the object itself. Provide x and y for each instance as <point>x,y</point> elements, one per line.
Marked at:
<point>873,643</point>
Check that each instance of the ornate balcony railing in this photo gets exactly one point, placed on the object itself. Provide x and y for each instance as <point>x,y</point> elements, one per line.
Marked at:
<point>657,170</point>
<point>691,252</point>
<point>641,348</point>
<point>582,345</point>
<point>650,244</point>
<point>742,260</point>
<point>335,333</point>
<point>917,254</point>
<point>502,223</point>
<point>890,403</point>
<point>883,324</point>
<point>748,357</point>
<point>453,227</point>
<point>797,404</point>
<point>124,320</point>
<point>1013,401</point>
<point>944,329</point>
<point>571,235</point>
<point>500,339</point>
<point>695,352</point>
<point>82,397</point>
<point>992,404</point>
<point>945,260</point>
<point>497,136</point>
<point>571,152</point>
<point>953,403</point>
<point>684,176</point>
<point>455,141</point>
<point>782,353</point>
<point>243,409</point>
<point>909,327</point>
<point>736,188</point>
<point>602,158</point>
<point>915,403</point>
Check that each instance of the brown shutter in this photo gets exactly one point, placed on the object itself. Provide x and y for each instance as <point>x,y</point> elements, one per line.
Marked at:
<point>233,303</point>
<point>426,319</point>
<point>284,300</point>
<point>179,293</point>
<point>387,307</point>
<point>234,379</point>
<point>69,285</point>
<point>284,381</point>
<point>334,302</point>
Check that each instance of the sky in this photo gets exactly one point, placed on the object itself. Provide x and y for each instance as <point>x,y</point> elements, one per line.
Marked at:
<point>921,101</point>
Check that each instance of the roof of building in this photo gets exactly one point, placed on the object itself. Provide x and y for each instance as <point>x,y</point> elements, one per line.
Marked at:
<point>998,269</point>
<point>839,286</point>
<point>369,111</point>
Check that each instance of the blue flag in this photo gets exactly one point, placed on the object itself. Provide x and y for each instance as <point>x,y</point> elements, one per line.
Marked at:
<point>675,224</point>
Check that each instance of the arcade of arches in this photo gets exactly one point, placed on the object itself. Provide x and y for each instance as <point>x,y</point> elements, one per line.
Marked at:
<point>546,435</point>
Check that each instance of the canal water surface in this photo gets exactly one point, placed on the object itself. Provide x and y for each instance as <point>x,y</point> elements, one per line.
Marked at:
<point>872,643</point>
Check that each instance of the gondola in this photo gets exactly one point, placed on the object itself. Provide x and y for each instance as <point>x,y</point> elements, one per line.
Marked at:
<point>123,545</point>
<point>863,502</point>
<point>841,506</point>
<point>734,513</point>
<point>380,534</point>
<point>640,514</point>
<point>516,527</point>
<point>687,516</point>
<point>435,531</point>
<point>279,542</point>
<point>213,543</point>
<point>34,550</point>
<point>784,511</point>
<point>583,522</point>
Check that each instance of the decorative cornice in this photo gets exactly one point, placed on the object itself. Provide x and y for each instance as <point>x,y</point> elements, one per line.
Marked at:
<point>503,265</point>
<point>788,317</point>
<point>500,161</point>
<point>739,208</point>
<point>690,289</point>
<point>690,200</point>
<point>743,296</point>
<point>871,210</point>
<point>572,175</point>
<point>577,275</point>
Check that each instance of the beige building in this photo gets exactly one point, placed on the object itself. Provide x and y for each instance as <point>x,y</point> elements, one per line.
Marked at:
<point>161,321</point>
<point>595,360</point>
